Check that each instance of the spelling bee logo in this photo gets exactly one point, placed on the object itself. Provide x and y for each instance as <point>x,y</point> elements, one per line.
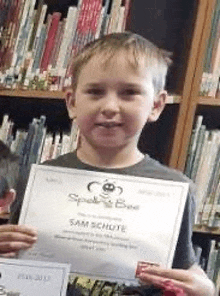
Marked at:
<point>107,193</point>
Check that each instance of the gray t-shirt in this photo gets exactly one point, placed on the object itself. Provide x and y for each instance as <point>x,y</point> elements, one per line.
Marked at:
<point>184,255</point>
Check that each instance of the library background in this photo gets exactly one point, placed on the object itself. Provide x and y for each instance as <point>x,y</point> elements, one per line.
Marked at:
<point>38,40</point>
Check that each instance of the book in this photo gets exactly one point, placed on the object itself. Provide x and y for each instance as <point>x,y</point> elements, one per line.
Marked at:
<point>192,145</point>
<point>56,144</point>
<point>211,260</point>
<point>209,84</point>
<point>119,26</point>
<point>212,37</point>
<point>38,30</point>
<point>126,13</point>
<point>46,148</point>
<point>58,40</point>
<point>38,141</point>
<point>24,31</point>
<point>198,150</point>
<point>104,17</point>
<point>114,15</point>
<point>204,206</point>
<point>50,40</point>
<point>66,45</point>
<point>216,61</point>
<point>65,144</point>
<point>4,128</point>
<point>38,52</point>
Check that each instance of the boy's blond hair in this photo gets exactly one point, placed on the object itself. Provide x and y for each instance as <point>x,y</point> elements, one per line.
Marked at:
<point>138,50</point>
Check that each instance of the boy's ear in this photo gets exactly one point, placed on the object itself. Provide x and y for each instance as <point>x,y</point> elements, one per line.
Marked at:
<point>70,103</point>
<point>159,104</point>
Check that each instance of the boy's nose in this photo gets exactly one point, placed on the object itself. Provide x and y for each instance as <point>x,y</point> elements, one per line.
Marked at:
<point>110,106</point>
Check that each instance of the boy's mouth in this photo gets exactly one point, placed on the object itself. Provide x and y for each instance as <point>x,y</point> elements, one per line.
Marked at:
<point>109,124</point>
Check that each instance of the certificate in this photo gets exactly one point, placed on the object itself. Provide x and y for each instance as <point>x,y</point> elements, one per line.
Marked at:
<point>25,278</point>
<point>102,223</point>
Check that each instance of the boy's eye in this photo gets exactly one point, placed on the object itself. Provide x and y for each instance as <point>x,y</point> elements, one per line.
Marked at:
<point>95,92</point>
<point>130,92</point>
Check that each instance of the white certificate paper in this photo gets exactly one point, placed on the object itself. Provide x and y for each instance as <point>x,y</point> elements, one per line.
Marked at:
<point>32,278</point>
<point>102,223</point>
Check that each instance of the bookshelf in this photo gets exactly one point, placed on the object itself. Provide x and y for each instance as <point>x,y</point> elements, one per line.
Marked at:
<point>192,99</point>
<point>183,17</point>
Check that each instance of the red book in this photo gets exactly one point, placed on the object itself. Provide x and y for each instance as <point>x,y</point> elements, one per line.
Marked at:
<point>126,14</point>
<point>50,40</point>
<point>96,15</point>
<point>58,40</point>
<point>82,16</point>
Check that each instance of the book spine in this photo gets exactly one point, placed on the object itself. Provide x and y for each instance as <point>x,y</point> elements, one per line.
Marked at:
<point>119,27</point>
<point>39,28</point>
<point>126,13</point>
<point>114,15</point>
<point>39,49</point>
<point>4,128</point>
<point>66,45</point>
<point>198,150</point>
<point>46,148</point>
<point>35,24</point>
<point>98,31</point>
<point>95,19</point>
<point>211,260</point>
<point>212,37</point>
<point>192,145</point>
<point>50,41</point>
<point>56,143</point>
<point>58,41</point>
<point>65,144</point>
<point>21,44</point>
<point>216,60</point>
<point>204,207</point>
<point>104,18</point>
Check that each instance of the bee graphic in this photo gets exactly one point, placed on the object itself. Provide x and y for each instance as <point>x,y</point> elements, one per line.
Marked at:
<point>106,189</point>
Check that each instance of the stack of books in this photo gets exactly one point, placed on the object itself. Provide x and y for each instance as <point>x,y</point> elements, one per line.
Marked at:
<point>210,84</point>
<point>203,167</point>
<point>36,144</point>
<point>38,47</point>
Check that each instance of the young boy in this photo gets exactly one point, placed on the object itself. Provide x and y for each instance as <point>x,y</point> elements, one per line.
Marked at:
<point>118,86</point>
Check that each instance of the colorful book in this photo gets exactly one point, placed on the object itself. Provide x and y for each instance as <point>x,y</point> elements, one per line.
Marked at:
<point>50,40</point>
<point>126,13</point>
<point>198,150</point>
<point>104,18</point>
<point>192,145</point>
<point>66,45</point>
<point>24,31</point>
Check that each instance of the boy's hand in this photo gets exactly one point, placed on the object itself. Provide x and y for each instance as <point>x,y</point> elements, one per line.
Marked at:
<point>193,281</point>
<point>14,238</point>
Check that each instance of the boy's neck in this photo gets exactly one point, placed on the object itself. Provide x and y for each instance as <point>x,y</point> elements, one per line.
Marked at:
<point>109,158</point>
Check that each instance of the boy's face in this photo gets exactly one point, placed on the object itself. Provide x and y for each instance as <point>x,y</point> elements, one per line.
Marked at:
<point>113,102</point>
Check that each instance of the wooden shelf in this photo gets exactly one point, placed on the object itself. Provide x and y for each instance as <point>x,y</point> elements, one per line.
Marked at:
<point>215,231</point>
<point>33,94</point>
<point>209,101</point>
<point>172,99</point>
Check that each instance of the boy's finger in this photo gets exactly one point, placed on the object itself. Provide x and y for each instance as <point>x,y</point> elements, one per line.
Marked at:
<point>17,236</point>
<point>13,247</point>
<point>176,274</point>
<point>8,255</point>
<point>160,281</point>
<point>29,230</point>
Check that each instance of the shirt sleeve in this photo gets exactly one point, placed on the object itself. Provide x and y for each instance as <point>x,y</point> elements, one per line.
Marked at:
<point>184,256</point>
